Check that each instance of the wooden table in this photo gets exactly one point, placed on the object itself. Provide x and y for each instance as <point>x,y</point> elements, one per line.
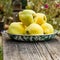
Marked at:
<point>15,50</point>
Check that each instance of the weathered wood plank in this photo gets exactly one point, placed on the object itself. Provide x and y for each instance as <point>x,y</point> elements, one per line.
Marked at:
<point>24,50</point>
<point>53,48</point>
<point>43,51</point>
<point>30,51</point>
<point>10,51</point>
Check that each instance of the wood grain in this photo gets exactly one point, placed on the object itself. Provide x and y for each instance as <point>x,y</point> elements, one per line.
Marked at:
<point>15,50</point>
<point>53,48</point>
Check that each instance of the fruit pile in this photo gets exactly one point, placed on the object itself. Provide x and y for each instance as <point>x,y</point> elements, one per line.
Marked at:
<point>32,23</point>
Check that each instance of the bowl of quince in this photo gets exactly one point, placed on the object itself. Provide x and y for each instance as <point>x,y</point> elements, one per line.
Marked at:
<point>32,27</point>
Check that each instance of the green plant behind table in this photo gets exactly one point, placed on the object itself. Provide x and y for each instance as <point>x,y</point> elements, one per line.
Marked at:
<point>1,53</point>
<point>49,7</point>
<point>5,8</point>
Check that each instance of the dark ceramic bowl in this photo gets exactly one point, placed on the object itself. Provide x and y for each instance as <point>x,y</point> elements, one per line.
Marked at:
<point>32,37</point>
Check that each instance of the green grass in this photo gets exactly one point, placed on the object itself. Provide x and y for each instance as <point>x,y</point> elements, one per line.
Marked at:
<point>1,53</point>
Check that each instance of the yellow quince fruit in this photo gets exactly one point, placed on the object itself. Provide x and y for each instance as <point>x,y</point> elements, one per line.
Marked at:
<point>40,18</point>
<point>47,28</point>
<point>34,29</point>
<point>27,16</point>
<point>16,28</point>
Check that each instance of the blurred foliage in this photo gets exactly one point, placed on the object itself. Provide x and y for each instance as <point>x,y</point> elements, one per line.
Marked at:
<point>5,8</point>
<point>24,3</point>
<point>49,7</point>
